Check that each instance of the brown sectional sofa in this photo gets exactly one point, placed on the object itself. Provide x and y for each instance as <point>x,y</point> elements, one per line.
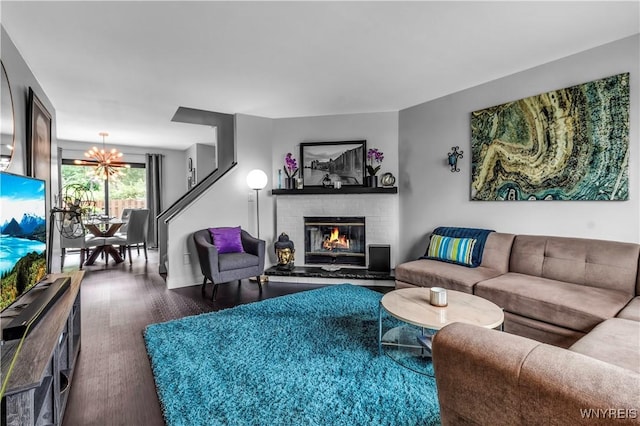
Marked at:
<point>487,377</point>
<point>432,273</point>
<point>572,317</point>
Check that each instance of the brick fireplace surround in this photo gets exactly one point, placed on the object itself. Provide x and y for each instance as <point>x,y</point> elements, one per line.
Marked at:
<point>380,210</point>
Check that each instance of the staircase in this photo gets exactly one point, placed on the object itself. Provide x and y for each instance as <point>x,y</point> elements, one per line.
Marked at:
<point>225,124</point>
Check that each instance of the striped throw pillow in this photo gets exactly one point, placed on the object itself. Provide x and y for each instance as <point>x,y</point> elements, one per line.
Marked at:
<point>456,250</point>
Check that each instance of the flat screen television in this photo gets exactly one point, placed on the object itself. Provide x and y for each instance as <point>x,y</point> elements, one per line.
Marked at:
<point>23,236</point>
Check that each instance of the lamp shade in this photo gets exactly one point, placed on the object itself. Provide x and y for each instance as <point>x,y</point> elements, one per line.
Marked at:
<point>257,179</point>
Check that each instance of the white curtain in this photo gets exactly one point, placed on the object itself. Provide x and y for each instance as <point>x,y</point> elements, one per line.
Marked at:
<point>154,195</point>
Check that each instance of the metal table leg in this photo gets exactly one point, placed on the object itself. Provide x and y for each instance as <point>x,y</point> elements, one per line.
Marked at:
<point>380,328</point>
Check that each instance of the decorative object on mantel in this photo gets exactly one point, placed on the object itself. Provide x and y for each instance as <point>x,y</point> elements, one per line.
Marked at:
<point>107,163</point>
<point>291,170</point>
<point>387,179</point>
<point>453,156</point>
<point>299,183</point>
<point>285,252</point>
<point>344,161</point>
<point>567,144</point>
<point>373,156</point>
<point>326,181</point>
<point>337,184</point>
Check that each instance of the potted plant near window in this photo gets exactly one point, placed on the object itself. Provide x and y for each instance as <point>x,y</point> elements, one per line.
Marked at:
<point>373,156</point>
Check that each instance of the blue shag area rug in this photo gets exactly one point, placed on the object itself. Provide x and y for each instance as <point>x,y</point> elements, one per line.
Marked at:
<point>309,358</point>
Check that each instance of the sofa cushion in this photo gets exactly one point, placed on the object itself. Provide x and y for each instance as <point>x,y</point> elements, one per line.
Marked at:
<point>496,251</point>
<point>616,341</point>
<point>473,241</point>
<point>574,306</point>
<point>596,263</point>
<point>631,311</point>
<point>227,239</point>
<point>432,273</point>
<point>540,331</point>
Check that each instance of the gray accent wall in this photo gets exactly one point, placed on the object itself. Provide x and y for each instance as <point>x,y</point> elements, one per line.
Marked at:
<point>431,195</point>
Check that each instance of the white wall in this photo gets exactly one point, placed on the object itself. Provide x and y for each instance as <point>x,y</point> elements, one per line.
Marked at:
<point>205,160</point>
<point>229,202</point>
<point>20,79</point>
<point>379,129</point>
<point>431,196</point>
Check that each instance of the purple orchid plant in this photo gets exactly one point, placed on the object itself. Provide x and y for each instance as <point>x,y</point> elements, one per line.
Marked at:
<point>290,165</point>
<point>374,155</point>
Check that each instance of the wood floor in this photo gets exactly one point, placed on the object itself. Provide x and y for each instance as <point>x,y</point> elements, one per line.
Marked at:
<point>113,383</point>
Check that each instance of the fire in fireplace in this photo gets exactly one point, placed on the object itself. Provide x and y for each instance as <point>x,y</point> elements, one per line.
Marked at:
<point>334,240</point>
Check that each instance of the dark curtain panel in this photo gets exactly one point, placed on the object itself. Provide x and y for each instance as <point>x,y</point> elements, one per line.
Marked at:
<point>154,195</point>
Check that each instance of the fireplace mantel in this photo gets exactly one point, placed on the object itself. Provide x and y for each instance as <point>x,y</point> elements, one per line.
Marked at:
<point>315,190</point>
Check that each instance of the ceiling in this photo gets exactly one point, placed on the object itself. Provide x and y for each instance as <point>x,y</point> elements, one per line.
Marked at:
<point>125,66</point>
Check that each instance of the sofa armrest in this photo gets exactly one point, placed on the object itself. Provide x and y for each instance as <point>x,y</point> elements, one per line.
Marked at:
<point>490,377</point>
<point>477,374</point>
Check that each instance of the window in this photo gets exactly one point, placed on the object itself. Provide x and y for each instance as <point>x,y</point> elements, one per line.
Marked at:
<point>112,196</point>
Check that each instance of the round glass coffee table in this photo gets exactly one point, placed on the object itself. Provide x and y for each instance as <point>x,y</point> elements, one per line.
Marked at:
<point>409,342</point>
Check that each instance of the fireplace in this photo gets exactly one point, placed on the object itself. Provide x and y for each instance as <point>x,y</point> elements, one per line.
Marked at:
<point>334,240</point>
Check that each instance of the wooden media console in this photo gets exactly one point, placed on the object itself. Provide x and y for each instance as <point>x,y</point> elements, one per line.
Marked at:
<point>37,385</point>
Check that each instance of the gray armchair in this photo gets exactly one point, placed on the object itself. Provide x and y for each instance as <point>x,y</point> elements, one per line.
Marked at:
<point>223,268</point>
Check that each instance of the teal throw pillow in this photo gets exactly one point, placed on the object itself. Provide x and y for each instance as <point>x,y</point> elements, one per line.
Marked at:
<point>450,249</point>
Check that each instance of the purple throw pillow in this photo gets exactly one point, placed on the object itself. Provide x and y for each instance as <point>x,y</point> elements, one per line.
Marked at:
<point>227,240</point>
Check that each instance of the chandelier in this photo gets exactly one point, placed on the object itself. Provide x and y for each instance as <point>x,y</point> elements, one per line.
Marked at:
<point>107,163</point>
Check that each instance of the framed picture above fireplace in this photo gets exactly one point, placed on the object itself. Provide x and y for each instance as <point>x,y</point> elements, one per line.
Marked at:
<point>324,163</point>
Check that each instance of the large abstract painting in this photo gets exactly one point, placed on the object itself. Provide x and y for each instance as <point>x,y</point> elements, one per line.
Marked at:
<point>568,144</point>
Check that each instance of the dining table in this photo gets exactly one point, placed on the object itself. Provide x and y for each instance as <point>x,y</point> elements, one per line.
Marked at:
<point>104,228</point>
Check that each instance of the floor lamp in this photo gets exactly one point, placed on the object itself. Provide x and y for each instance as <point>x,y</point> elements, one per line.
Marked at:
<point>257,180</point>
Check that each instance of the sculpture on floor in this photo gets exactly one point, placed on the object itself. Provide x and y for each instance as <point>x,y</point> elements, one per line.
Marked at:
<point>285,251</point>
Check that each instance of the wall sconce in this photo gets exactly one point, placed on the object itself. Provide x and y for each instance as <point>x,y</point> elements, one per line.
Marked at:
<point>453,158</point>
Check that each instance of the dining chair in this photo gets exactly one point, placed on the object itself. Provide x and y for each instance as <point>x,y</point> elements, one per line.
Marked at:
<point>83,241</point>
<point>124,217</point>
<point>137,229</point>
<point>122,231</point>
